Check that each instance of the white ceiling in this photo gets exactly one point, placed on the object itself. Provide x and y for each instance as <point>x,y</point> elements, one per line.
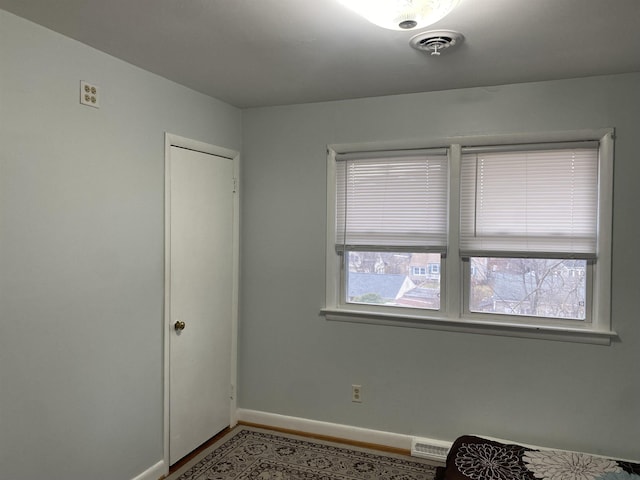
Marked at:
<point>272,52</point>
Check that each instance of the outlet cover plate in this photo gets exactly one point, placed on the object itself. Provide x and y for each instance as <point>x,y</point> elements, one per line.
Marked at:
<point>89,94</point>
<point>356,393</point>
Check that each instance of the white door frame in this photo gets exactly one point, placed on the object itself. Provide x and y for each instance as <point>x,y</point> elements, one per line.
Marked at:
<point>177,141</point>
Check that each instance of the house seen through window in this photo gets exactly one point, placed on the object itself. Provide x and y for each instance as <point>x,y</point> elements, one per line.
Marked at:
<point>394,278</point>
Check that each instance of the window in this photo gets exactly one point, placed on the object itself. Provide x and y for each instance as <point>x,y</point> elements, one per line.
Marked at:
<point>529,219</point>
<point>419,271</point>
<point>391,219</point>
<point>509,237</point>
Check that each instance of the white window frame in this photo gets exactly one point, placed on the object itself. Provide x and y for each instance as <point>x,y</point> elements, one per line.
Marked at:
<point>454,270</point>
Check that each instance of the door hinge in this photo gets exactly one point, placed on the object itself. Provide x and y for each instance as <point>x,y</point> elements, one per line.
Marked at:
<point>235,184</point>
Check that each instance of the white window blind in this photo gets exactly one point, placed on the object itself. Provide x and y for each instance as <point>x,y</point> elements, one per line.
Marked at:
<point>527,203</point>
<point>395,203</point>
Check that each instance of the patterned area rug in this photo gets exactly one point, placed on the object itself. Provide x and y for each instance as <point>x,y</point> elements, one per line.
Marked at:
<point>249,453</point>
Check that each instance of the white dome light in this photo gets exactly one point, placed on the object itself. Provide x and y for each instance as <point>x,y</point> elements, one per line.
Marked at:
<point>401,14</point>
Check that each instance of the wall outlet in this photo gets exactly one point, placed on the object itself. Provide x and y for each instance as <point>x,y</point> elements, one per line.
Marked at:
<point>89,94</point>
<point>356,393</point>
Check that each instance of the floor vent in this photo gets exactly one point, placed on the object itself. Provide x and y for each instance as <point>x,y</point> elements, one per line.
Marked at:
<point>430,449</point>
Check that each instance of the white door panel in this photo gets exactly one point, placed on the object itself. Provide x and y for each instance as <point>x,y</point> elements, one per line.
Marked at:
<point>201,288</point>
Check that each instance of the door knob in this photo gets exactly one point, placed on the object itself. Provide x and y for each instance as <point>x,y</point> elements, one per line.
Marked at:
<point>179,325</point>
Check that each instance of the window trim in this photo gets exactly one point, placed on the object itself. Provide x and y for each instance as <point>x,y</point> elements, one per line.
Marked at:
<point>452,315</point>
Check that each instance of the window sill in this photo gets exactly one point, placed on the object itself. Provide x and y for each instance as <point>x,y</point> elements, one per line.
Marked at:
<point>563,333</point>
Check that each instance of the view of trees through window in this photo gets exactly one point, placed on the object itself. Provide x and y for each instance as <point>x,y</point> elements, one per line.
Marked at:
<point>551,288</point>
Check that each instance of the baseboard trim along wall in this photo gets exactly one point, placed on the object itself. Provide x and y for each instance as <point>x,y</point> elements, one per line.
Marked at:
<point>335,430</point>
<point>155,472</point>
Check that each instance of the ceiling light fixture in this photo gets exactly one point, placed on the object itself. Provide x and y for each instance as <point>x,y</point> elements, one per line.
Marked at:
<point>401,14</point>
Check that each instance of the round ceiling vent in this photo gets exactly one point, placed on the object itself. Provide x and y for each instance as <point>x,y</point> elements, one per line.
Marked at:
<point>436,41</point>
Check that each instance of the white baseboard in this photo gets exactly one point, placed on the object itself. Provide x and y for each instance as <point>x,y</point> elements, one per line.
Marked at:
<point>357,434</point>
<point>154,472</point>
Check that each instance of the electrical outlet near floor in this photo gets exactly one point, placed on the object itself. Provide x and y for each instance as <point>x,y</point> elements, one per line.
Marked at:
<point>356,393</point>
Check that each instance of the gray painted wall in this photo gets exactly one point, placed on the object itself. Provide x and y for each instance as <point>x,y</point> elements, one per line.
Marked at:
<point>81,254</point>
<point>422,382</point>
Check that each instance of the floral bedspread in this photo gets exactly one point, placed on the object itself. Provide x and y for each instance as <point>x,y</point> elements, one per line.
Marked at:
<point>475,458</point>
